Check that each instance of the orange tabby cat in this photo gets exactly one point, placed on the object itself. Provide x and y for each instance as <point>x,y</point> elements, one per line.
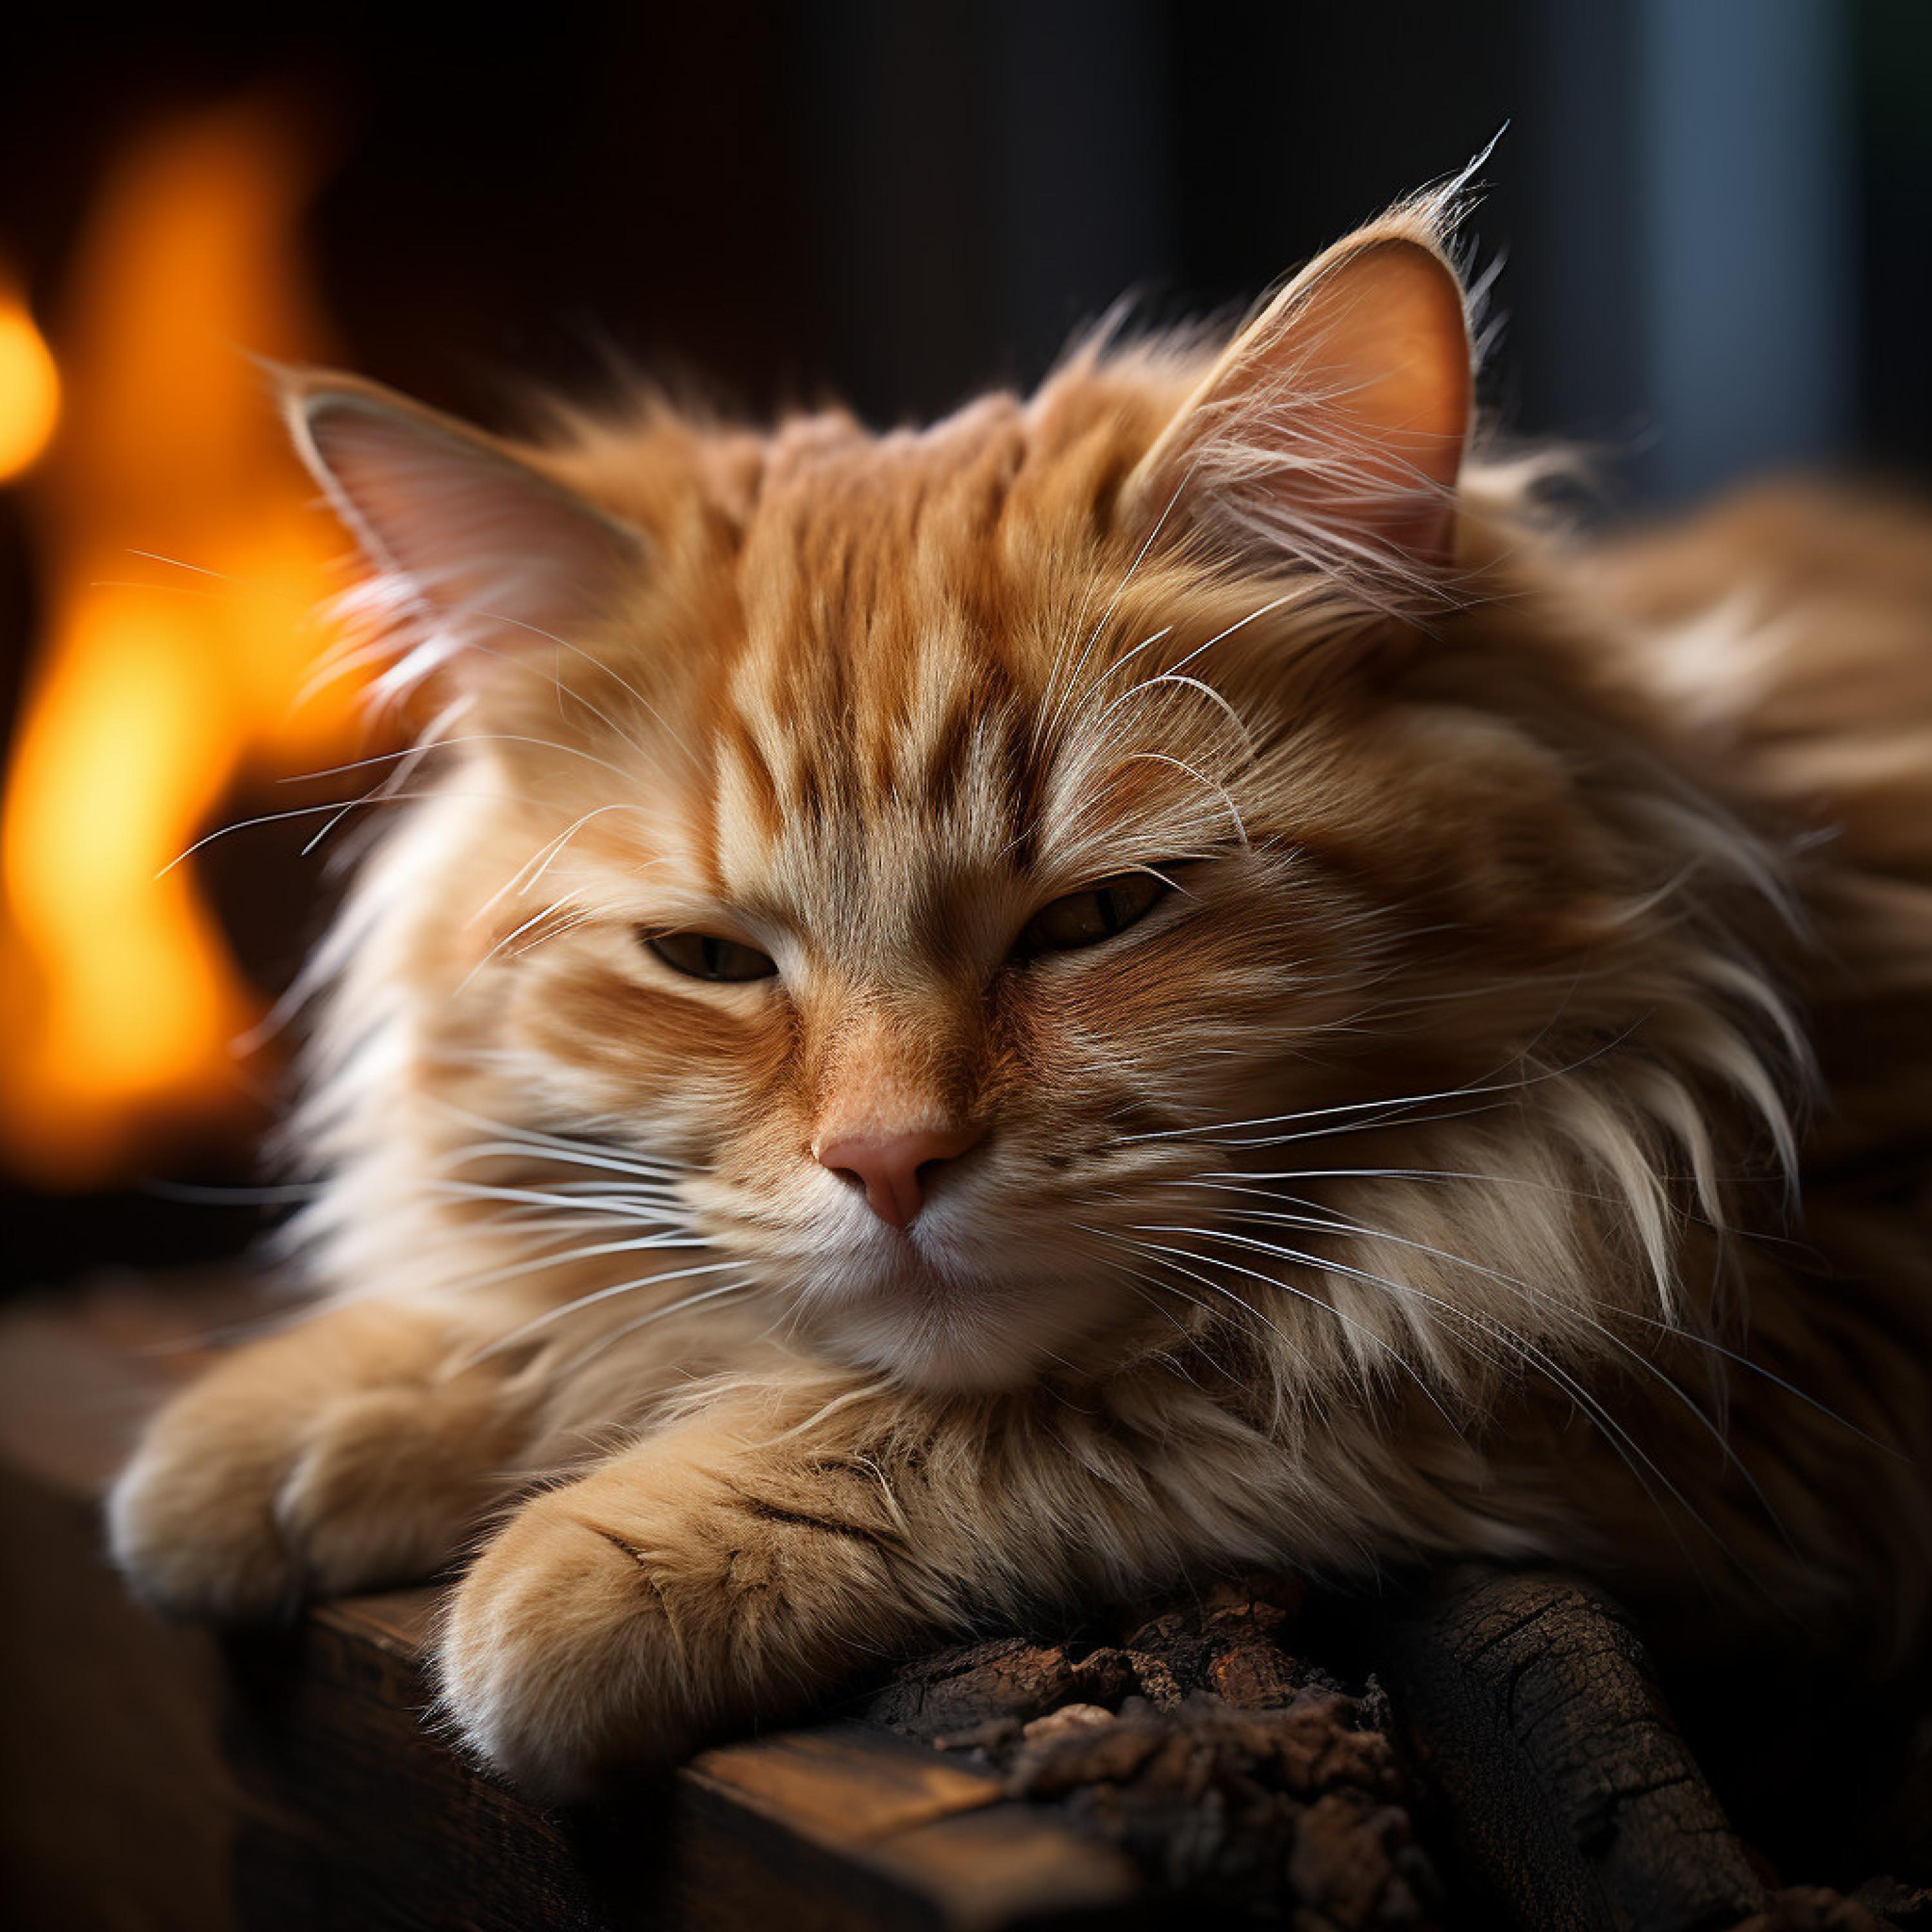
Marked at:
<point>1150,978</point>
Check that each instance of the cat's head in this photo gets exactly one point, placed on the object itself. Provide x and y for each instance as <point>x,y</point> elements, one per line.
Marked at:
<point>938,861</point>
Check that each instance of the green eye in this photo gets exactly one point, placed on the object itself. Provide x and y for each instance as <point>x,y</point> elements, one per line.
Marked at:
<point>1086,918</point>
<point>703,955</point>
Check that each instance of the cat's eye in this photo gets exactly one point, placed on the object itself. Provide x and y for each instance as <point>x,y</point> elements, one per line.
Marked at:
<point>1087,917</point>
<point>704,955</point>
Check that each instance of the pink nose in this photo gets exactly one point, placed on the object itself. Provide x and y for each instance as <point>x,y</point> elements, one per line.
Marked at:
<point>892,1168</point>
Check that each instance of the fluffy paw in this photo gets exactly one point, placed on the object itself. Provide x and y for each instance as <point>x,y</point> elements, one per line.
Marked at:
<point>559,1658</point>
<point>625,1618</point>
<point>191,1519</point>
<point>385,1485</point>
<point>282,1474</point>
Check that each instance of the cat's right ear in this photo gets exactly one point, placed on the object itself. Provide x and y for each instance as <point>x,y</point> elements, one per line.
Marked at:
<point>1331,434</point>
<point>482,551</point>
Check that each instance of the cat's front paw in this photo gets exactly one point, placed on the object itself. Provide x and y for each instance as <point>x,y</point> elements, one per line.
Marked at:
<point>561,1659</point>
<point>317,1462</point>
<point>191,1519</point>
<point>625,1619</point>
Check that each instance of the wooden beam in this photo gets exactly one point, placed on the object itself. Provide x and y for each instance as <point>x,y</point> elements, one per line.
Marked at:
<point>166,1778</point>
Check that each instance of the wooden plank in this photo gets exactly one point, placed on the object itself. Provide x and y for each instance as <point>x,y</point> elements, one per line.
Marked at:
<point>117,1806</point>
<point>1008,1864</point>
<point>930,1842</point>
<point>844,1784</point>
<point>285,1779</point>
<point>984,1867</point>
<point>358,1815</point>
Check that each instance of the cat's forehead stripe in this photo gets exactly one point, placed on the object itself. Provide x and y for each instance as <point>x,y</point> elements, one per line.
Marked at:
<point>883,661</point>
<point>894,673</point>
<point>951,772</point>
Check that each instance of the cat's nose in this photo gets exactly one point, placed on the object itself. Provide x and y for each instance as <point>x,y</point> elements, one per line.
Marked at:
<point>893,1168</point>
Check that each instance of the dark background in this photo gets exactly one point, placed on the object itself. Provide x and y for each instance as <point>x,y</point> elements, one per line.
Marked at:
<point>1709,217</point>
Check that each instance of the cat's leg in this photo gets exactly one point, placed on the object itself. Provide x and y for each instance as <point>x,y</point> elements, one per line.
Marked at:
<point>351,1449</point>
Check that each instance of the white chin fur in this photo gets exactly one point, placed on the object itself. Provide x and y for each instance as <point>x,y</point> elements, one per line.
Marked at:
<point>950,1338</point>
<point>959,1364</point>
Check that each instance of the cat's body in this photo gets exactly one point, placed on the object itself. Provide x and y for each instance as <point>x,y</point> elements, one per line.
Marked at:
<point>941,1238</point>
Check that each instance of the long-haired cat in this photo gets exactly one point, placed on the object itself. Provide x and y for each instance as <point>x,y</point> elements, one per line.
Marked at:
<point>1157,977</point>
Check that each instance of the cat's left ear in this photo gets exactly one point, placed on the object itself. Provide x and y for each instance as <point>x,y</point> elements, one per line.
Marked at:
<point>456,526</point>
<point>1332,430</point>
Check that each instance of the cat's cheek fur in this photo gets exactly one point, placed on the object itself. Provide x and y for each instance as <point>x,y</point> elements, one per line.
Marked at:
<point>692,1072</point>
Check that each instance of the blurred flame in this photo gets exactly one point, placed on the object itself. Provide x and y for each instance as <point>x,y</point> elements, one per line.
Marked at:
<point>119,1001</point>
<point>29,386</point>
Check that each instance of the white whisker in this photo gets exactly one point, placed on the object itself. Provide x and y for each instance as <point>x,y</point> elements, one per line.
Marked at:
<point>551,1315</point>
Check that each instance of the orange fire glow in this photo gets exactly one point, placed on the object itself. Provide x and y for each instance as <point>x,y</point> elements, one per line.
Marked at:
<point>181,559</point>
<point>29,386</point>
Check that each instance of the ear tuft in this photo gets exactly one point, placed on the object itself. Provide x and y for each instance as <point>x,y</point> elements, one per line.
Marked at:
<point>481,549</point>
<point>1331,432</point>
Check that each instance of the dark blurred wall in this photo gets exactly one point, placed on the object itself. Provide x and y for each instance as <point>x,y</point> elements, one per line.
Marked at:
<point>899,203</point>
<point>1708,218</point>
<point>1892,92</point>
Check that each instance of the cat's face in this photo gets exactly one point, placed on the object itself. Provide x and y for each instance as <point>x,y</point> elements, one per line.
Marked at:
<point>927,856</point>
<point>914,931</point>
